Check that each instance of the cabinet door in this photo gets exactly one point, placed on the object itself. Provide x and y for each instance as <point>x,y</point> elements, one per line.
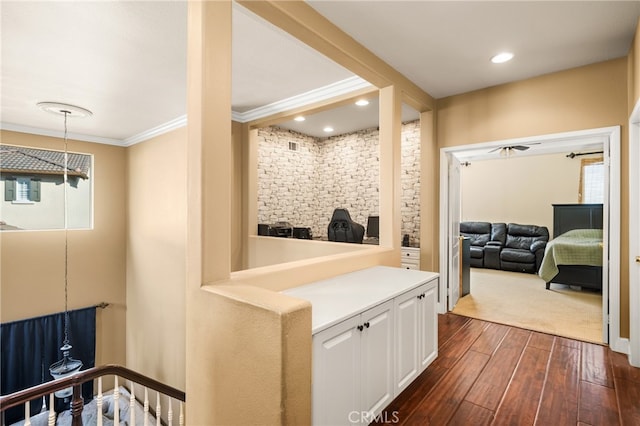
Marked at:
<point>377,356</point>
<point>407,335</point>
<point>429,326</point>
<point>336,374</point>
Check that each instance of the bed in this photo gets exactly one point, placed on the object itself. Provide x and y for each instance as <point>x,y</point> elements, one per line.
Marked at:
<point>574,256</point>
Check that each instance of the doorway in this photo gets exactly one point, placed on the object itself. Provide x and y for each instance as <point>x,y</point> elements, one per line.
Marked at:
<point>609,140</point>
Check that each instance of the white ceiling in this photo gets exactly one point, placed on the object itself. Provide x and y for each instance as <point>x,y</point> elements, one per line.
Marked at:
<point>126,60</point>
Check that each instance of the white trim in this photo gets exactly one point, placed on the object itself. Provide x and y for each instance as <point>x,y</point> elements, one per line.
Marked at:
<point>140,137</point>
<point>615,341</point>
<point>338,88</point>
<point>58,134</point>
<point>443,305</point>
<point>608,136</point>
<point>156,131</point>
<point>634,237</point>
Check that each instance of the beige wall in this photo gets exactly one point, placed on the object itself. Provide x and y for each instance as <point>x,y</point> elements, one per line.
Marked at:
<point>634,70</point>
<point>156,237</point>
<point>32,262</point>
<point>519,189</point>
<point>266,251</point>
<point>581,98</point>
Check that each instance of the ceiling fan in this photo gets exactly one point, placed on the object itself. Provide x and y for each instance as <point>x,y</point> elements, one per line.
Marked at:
<point>507,150</point>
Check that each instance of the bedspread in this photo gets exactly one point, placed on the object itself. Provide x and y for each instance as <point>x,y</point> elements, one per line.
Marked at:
<point>575,247</point>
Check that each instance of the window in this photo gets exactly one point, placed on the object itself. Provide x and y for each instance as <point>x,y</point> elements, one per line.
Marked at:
<point>22,190</point>
<point>591,181</point>
<point>32,180</point>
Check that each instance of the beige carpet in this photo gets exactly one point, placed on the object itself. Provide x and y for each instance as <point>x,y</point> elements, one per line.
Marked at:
<point>521,300</point>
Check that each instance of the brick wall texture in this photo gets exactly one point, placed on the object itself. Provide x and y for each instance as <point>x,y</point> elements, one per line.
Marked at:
<point>304,186</point>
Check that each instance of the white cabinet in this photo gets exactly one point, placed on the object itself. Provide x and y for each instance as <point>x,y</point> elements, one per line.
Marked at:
<point>410,257</point>
<point>374,331</point>
<point>353,368</point>
<point>415,334</point>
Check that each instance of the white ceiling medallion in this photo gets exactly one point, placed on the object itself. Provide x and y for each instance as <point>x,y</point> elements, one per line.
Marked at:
<point>64,109</point>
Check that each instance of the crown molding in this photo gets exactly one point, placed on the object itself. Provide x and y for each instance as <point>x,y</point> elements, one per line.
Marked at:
<point>59,134</point>
<point>156,131</point>
<point>342,87</point>
<point>338,88</point>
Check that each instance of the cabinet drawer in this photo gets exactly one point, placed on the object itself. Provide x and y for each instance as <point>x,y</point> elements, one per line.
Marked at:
<point>410,265</point>
<point>410,253</point>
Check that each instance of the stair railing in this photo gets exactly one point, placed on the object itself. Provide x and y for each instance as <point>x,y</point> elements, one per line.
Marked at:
<point>77,404</point>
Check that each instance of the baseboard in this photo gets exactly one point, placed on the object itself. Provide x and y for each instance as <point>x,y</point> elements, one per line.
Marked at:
<point>620,344</point>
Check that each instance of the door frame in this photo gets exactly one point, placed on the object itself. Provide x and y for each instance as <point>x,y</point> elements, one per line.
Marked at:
<point>634,237</point>
<point>610,138</point>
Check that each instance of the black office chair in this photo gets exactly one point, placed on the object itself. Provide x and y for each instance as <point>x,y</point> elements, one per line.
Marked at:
<point>344,230</point>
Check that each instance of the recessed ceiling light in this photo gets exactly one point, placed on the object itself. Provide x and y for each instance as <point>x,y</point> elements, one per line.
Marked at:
<point>362,102</point>
<point>328,129</point>
<point>502,57</point>
<point>299,118</point>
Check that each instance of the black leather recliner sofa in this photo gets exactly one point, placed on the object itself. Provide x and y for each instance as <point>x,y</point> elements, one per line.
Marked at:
<point>342,229</point>
<point>524,248</point>
<point>481,234</point>
<point>510,247</point>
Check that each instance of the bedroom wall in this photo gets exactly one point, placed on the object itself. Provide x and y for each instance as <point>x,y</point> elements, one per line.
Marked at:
<point>156,238</point>
<point>534,183</point>
<point>32,262</point>
<point>580,98</point>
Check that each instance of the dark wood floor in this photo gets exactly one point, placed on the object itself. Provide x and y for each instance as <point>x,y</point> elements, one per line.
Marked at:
<point>492,374</point>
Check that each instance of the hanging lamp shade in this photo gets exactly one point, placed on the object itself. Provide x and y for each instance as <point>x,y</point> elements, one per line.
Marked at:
<point>65,367</point>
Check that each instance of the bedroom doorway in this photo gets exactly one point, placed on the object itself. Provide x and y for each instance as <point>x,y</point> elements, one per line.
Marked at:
<point>608,139</point>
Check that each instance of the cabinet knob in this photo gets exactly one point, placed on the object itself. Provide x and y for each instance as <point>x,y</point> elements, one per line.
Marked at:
<point>360,328</point>
<point>366,324</point>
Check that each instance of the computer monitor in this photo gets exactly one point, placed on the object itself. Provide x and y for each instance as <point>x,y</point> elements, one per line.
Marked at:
<point>373,227</point>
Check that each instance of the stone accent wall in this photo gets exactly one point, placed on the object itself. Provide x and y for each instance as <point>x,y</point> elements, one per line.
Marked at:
<point>348,176</point>
<point>410,181</point>
<point>287,179</point>
<point>303,187</point>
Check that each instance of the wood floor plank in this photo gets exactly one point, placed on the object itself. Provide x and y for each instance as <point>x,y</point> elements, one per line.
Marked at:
<point>559,403</point>
<point>520,403</point>
<point>439,407</point>
<point>481,416</point>
<point>456,388</point>
<point>567,342</point>
<point>628,393</point>
<point>622,368</point>
<point>596,367</point>
<point>448,354</point>
<point>541,341</point>
<point>402,407</point>
<point>466,337</point>
<point>448,325</point>
<point>597,405</point>
<point>489,340</point>
<point>488,390</point>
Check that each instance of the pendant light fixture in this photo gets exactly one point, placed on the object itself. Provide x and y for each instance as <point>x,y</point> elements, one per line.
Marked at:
<point>66,366</point>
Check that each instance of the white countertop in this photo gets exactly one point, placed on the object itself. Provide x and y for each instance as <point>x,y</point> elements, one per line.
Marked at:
<point>336,299</point>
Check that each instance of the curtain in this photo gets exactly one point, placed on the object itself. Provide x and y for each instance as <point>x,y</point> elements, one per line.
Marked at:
<point>30,346</point>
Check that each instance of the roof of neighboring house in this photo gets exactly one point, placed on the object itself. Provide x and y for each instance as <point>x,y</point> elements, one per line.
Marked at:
<point>16,159</point>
